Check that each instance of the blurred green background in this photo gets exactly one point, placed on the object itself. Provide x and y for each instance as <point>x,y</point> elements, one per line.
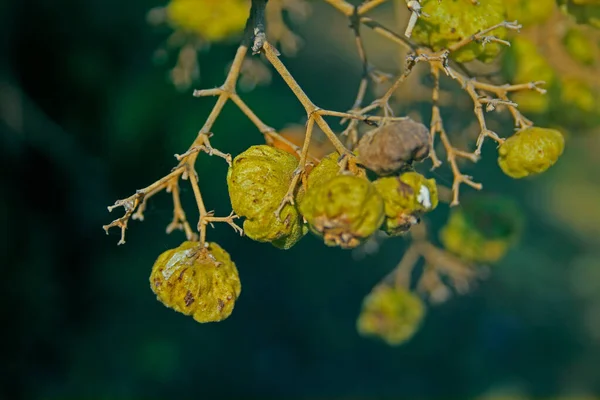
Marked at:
<point>86,117</point>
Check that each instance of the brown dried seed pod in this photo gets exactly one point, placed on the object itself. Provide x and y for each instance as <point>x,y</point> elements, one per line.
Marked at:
<point>394,146</point>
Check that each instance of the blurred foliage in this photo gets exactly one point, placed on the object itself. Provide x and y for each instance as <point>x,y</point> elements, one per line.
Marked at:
<point>85,116</point>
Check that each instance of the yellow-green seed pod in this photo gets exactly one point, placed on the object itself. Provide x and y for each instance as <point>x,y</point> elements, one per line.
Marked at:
<point>482,229</point>
<point>578,105</point>
<point>345,210</point>
<point>524,63</point>
<point>326,169</point>
<point>405,198</point>
<point>451,21</point>
<point>530,151</point>
<point>529,12</point>
<point>211,20</point>
<point>580,46</point>
<point>258,180</point>
<point>196,281</point>
<point>393,315</point>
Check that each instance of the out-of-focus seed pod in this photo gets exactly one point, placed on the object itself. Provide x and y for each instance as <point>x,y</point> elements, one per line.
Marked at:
<point>391,314</point>
<point>345,210</point>
<point>529,12</point>
<point>258,180</point>
<point>450,22</point>
<point>524,63</point>
<point>584,11</point>
<point>393,147</point>
<point>406,198</point>
<point>580,46</point>
<point>482,229</point>
<point>211,20</point>
<point>577,105</point>
<point>530,151</point>
<point>196,281</point>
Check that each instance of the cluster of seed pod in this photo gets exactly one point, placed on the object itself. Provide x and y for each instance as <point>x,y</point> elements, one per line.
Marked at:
<point>343,208</point>
<point>347,206</point>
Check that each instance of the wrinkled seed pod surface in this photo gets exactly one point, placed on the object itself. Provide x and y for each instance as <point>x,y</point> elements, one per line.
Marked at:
<point>406,198</point>
<point>345,210</point>
<point>394,146</point>
<point>203,283</point>
<point>326,169</point>
<point>258,180</point>
<point>530,151</point>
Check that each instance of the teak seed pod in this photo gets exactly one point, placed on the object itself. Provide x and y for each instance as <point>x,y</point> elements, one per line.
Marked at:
<point>394,146</point>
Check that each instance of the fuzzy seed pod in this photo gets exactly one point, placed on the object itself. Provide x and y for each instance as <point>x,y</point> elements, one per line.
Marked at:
<point>530,151</point>
<point>392,314</point>
<point>345,210</point>
<point>451,21</point>
<point>482,230</point>
<point>394,146</point>
<point>201,282</point>
<point>258,179</point>
<point>406,198</point>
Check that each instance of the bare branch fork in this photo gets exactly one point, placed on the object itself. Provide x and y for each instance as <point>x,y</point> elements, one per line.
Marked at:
<point>254,37</point>
<point>485,96</point>
<point>186,167</point>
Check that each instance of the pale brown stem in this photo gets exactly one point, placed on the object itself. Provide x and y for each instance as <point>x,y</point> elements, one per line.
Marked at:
<point>185,168</point>
<point>179,218</point>
<point>451,152</point>
<point>480,36</point>
<point>310,108</point>
<point>403,271</point>
<point>368,6</point>
<point>300,170</point>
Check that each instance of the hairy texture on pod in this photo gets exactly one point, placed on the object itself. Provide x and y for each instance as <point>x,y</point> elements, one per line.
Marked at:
<point>392,314</point>
<point>405,198</point>
<point>201,282</point>
<point>394,146</point>
<point>258,179</point>
<point>529,12</point>
<point>211,20</point>
<point>345,210</point>
<point>451,21</point>
<point>482,230</point>
<point>530,151</point>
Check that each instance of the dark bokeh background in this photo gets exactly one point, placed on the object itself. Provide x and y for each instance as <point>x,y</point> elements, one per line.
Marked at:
<point>86,118</point>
